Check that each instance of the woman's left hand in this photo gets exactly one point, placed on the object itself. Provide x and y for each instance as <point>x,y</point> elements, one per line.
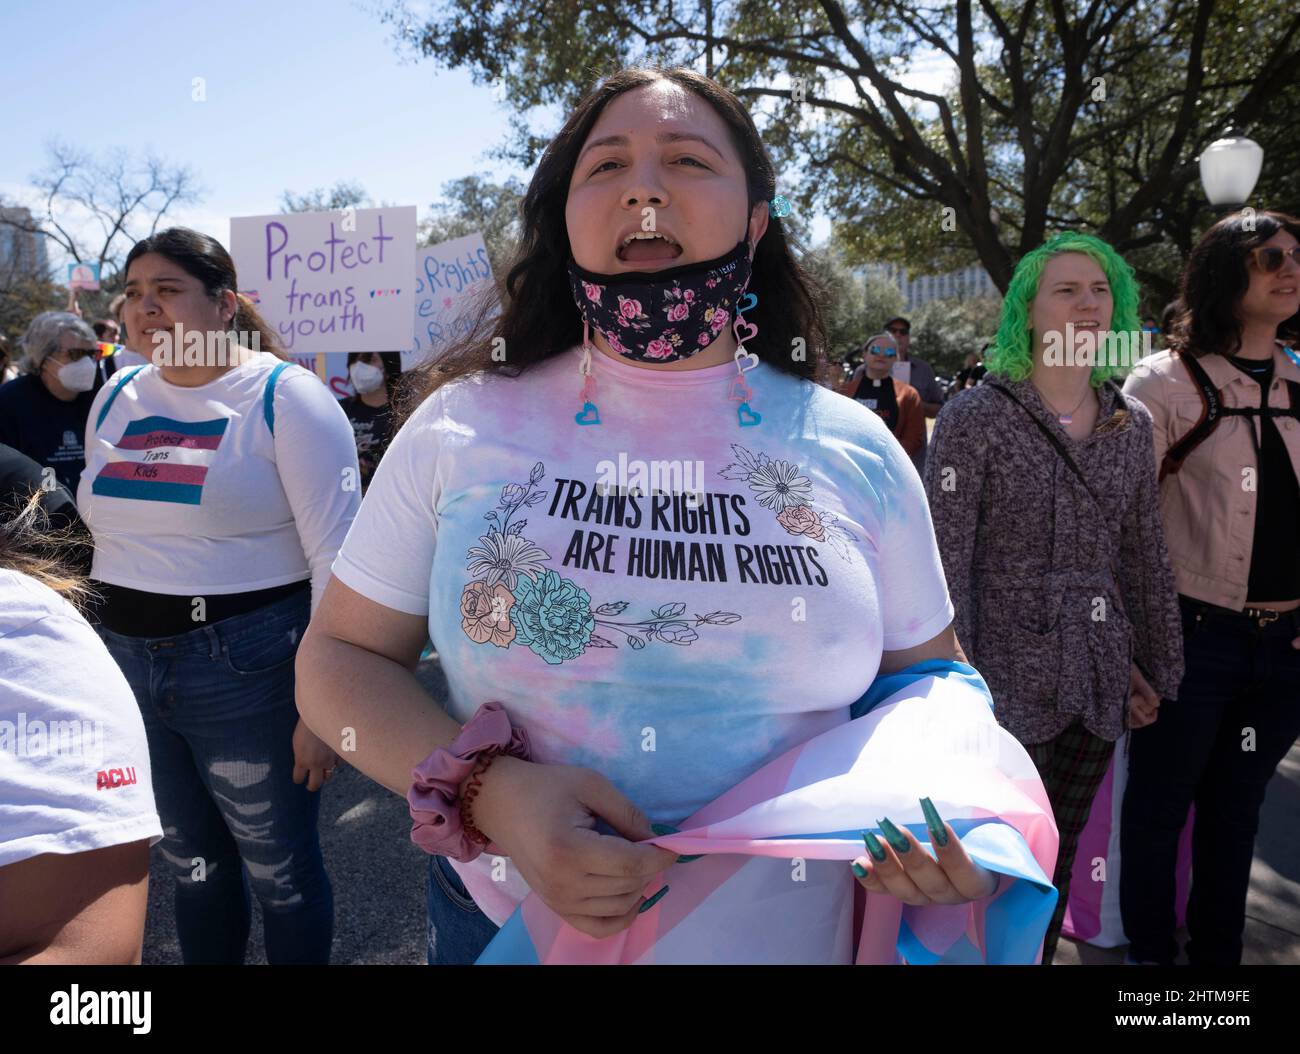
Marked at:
<point>1144,702</point>
<point>313,761</point>
<point>915,877</point>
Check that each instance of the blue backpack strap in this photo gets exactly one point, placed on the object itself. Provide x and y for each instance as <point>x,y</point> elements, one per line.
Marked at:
<point>268,395</point>
<point>121,383</point>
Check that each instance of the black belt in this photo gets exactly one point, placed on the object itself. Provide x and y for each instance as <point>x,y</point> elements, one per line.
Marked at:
<point>1252,618</point>
<point>134,613</point>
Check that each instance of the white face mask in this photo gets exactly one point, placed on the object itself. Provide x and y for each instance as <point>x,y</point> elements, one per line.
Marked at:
<point>366,378</point>
<point>78,376</point>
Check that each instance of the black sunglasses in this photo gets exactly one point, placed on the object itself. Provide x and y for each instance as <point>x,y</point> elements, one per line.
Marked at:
<point>1269,258</point>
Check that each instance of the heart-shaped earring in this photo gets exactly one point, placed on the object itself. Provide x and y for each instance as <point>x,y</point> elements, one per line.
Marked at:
<point>588,415</point>
<point>747,303</point>
<point>739,390</point>
<point>752,330</point>
<point>745,360</point>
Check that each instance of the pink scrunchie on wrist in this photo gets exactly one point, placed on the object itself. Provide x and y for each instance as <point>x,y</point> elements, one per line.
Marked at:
<point>434,796</point>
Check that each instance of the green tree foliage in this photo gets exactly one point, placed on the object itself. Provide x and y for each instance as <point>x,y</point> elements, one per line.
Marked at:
<point>1053,114</point>
<point>342,195</point>
<point>475,203</point>
<point>944,332</point>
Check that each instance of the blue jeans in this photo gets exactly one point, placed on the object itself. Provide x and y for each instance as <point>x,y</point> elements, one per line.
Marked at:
<point>219,712</point>
<point>1216,745</point>
<point>457,930</point>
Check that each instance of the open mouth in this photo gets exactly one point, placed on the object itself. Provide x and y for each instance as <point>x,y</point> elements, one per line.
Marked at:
<point>648,247</point>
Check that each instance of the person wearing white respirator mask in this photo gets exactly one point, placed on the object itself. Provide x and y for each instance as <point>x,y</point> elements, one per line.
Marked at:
<point>373,375</point>
<point>43,411</point>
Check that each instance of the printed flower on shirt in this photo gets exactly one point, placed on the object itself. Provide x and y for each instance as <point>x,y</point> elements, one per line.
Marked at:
<point>800,519</point>
<point>504,557</point>
<point>552,616</point>
<point>505,554</point>
<point>519,600</point>
<point>779,487</point>
<point>485,614</point>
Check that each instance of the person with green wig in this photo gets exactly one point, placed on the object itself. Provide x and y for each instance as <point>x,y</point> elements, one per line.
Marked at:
<point>1042,486</point>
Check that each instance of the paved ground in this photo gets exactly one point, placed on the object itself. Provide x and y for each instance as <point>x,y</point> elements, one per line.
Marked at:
<point>378,877</point>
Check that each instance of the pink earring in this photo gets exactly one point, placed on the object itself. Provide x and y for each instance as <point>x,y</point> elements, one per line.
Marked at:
<point>745,360</point>
<point>588,415</point>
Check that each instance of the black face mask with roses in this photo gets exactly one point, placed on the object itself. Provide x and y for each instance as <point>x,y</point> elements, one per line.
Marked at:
<point>663,316</point>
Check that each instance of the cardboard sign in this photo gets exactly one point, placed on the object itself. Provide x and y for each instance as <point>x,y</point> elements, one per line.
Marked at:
<point>330,282</point>
<point>449,277</point>
<point>83,276</point>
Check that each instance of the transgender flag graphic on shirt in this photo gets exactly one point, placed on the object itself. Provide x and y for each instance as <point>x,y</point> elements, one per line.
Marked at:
<point>159,459</point>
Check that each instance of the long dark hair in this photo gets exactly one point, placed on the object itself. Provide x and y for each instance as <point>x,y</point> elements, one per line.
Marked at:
<point>540,320</point>
<point>205,259</point>
<point>1215,279</point>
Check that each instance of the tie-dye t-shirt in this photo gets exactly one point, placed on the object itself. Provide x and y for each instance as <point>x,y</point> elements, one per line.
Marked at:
<point>666,596</point>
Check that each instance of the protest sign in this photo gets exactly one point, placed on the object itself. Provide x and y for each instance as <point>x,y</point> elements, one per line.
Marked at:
<point>83,276</point>
<point>449,277</point>
<point>330,282</point>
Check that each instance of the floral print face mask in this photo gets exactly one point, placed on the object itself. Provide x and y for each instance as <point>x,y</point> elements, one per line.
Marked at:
<point>663,316</point>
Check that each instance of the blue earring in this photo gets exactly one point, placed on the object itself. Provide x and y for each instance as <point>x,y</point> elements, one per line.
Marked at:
<point>589,414</point>
<point>740,390</point>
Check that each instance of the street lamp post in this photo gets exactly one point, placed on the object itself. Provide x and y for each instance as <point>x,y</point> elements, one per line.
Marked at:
<point>1230,169</point>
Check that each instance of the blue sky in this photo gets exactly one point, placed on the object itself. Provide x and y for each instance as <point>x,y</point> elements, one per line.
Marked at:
<point>299,95</point>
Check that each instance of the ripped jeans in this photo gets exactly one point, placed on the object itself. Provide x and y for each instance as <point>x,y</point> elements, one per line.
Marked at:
<point>219,711</point>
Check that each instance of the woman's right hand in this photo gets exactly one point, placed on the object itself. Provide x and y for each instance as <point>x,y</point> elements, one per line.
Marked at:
<point>543,817</point>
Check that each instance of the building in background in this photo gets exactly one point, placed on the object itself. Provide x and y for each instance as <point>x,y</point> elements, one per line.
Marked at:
<point>22,252</point>
<point>955,285</point>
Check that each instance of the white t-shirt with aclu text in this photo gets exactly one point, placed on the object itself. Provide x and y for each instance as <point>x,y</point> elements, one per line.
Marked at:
<point>667,597</point>
<point>74,762</point>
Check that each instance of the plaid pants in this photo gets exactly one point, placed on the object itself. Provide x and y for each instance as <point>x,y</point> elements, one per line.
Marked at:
<point>1072,766</point>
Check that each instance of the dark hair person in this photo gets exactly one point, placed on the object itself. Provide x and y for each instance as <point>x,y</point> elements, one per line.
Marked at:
<point>1225,400</point>
<point>219,484</point>
<point>1044,503</point>
<point>633,631</point>
<point>375,377</point>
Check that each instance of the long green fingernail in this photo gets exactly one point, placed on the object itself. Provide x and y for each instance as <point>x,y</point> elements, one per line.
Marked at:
<point>894,836</point>
<point>933,821</point>
<point>874,847</point>
<point>652,901</point>
<point>858,869</point>
<point>662,829</point>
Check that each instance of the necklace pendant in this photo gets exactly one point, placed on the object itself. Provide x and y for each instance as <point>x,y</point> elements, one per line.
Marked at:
<point>1065,419</point>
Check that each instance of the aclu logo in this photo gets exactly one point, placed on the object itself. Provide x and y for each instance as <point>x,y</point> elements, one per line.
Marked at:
<point>102,1008</point>
<point>107,779</point>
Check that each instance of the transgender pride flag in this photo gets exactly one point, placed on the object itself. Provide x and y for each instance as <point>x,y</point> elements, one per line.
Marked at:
<point>159,459</point>
<point>927,731</point>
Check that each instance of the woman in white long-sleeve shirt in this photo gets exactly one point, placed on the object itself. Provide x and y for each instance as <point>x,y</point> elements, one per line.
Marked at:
<point>220,482</point>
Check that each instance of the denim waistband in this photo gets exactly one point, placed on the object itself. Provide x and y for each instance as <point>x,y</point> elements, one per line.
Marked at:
<point>208,639</point>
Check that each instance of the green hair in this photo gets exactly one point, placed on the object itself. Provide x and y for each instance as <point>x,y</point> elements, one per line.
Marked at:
<point>1012,354</point>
